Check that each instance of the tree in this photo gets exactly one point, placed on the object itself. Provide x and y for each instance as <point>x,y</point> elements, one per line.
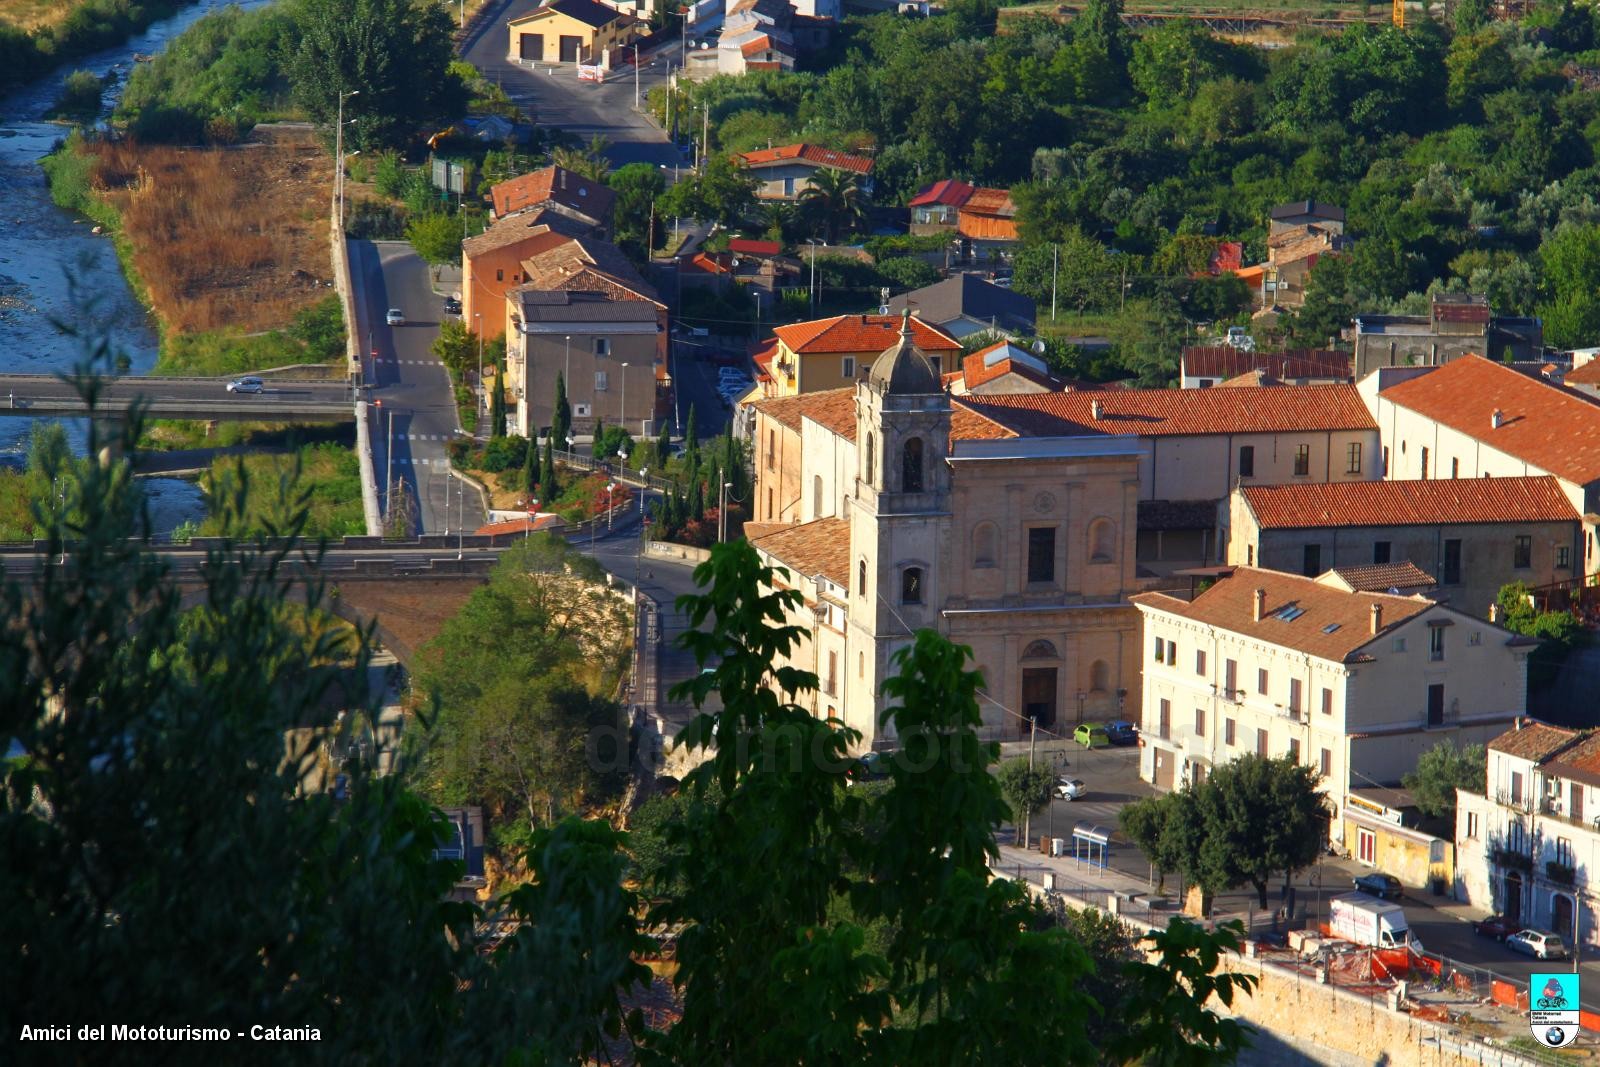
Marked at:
<point>664,444</point>
<point>547,473</point>
<point>1441,770</point>
<point>1149,824</point>
<point>530,468</point>
<point>722,193</point>
<point>588,161</point>
<point>1571,257</point>
<point>908,272</point>
<point>833,200</point>
<point>497,402</point>
<point>638,185</point>
<point>436,237</point>
<point>1086,276</point>
<point>1027,789</point>
<point>691,440</point>
<point>455,346</point>
<point>1329,305</point>
<point>1261,817</point>
<point>395,52</point>
<point>560,416</point>
<point>599,443</point>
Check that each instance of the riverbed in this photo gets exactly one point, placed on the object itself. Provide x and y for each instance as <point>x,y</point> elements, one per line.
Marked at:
<point>53,269</point>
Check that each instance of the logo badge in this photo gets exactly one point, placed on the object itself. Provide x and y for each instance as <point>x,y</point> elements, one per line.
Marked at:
<point>1553,1009</point>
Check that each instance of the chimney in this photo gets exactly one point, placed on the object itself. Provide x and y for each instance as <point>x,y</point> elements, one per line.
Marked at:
<point>1494,419</point>
<point>1377,618</point>
<point>1260,604</point>
<point>1494,613</point>
<point>1095,409</point>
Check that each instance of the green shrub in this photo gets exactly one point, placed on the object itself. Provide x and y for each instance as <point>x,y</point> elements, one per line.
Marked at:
<point>908,273</point>
<point>80,96</point>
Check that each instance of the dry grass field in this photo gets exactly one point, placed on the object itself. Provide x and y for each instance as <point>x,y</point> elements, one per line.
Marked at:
<point>32,14</point>
<point>229,239</point>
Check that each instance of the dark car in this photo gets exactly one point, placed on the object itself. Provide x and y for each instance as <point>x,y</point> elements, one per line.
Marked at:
<point>1121,732</point>
<point>452,306</point>
<point>1383,886</point>
<point>1496,926</point>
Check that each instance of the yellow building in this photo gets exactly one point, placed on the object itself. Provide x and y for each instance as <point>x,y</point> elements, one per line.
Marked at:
<point>809,357</point>
<point>570,31</point>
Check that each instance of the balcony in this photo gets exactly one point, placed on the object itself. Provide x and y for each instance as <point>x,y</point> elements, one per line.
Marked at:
<point>1522,803</point>
<point>1555,809</point>
<point>1560,873</point>
<point>1511,860</point>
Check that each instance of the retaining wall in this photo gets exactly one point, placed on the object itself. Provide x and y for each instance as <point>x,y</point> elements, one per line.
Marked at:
<point>345,288</point>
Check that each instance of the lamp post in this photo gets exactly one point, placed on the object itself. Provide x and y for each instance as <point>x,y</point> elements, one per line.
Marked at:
<point>638,549</point>
<point>533,517</point>
<point>622,413</point>
<point>569,362</point>
<point>352,155</point>
<point>611,506</point>
<point>481,393</point>
<point>338,150</point>
<point>636,76</point>
<point>461,518</point>
<point>812,241</point>
<point>722,514</point>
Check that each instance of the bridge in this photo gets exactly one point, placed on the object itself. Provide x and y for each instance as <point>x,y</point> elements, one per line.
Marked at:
<point>280,400</point>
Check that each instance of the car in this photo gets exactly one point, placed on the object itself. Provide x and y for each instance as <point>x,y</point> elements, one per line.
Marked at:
<point>1070,788</point>
<point>249,384</point>
<point>871,767</point>
<point>396,317</point>
<point>1496,926</point>
<point>1091,735</point>
<point>452,306</point>
<point>1538,944</point>
<point>1383,886</point>
<point>1121,732</point>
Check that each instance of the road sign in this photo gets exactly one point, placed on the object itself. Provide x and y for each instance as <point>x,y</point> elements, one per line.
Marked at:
<point>1553,1008</point>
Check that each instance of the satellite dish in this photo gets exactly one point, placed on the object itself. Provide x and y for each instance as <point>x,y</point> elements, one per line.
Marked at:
<point>1038,346</point>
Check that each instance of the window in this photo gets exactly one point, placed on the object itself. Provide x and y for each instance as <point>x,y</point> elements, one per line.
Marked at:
<point>1385,471</point>
<point>1261,742</point>
<point>1311,565</point>
<point>1172,653</point>
<point>1327,701</point>
<point>1564,851</point>
<point>1522,551</point>
<point>1516,787</point>
<point>1326,763</point>
<point>911,466</point>
<point>1099,676</point>
<point>1399,644</point>
<point>1164,725</point>
<point>848,370</point>
<point>1563,557</point>
<point>816,495</point>
<point>1200,662</point>
<point>602,346</point>
<point>1302,460</point>
<point>983,541</point>
<point>771,513</point>
<point>1161,650</point>
<point>772,450</point>
<point>1475,638</point>
<point>1042,554</point>
<point>1436,642</point>
<point>1367,847</point>
<point>1227,732</point>
<point>1452,562</point>
<point>1353,458</point>
<point>1294,750</point>
<point>1424,463</point>
<point>1199,722</point>
<point>933,361</point>
<point>861,661</point>
<point>831,686</point>
<point>861,578</point>
<point>601,382</point>
<point>1230,679</point>
<point>1294,695</point>
<point>1436,705</point>
<point>499,275</point>
<point>1247,461</point>
<point>1380,551</point>
<point>1455,467</point>
<point>1261,682</point>
<point>911,585</point>
<point>1472,824</point>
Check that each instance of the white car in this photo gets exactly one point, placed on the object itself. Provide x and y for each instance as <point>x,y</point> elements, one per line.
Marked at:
<point>396,317</point>
<point>1070,788</point>
<point>1538,944</point>
<point>246,385</point>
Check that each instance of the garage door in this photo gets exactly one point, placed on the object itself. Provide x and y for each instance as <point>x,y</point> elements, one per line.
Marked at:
<point>533,46</point>
<point>1166,764</point>
<point>570,48</point>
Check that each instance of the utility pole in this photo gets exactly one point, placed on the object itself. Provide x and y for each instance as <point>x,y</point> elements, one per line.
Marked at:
<point>483,395</point>
<point>1122,296</point>
<point>461,517</point>
<point>1055,263</point>
<point>636,77</point>
<point>338,151</point>
<point>1033,740</point>
<point>722,514</point>
<point>705,136</point>
<point>622,416</point>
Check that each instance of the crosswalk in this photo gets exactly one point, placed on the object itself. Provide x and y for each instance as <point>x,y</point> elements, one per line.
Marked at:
<point>423,461</point>
<point>410,362</point>
<point>424,436</point>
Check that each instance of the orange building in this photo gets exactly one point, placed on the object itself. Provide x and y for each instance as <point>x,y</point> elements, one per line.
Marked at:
<point>491,264</point>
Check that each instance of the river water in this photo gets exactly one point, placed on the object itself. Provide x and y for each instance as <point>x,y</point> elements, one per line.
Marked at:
<point>53,269</point>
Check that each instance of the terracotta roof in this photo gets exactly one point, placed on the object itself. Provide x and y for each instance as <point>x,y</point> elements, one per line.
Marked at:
<point>1225,361</point>
<point>969,425</point>
<point>1434,502</point>
<point>1228,256</point>
<point>1004,358</point>
<point>1332,623</point>
<point>818,547</point>
<point>1250,379</point>
<point>949,192</point>
<point>543,522</point>
<point>785,409</point>
<point>588,263</point>
<point>1580,761</point>
<point>832,408</point>
<point>809,153</point>
<point>835,409</point>
<point>543,231</point>
<point>1381,577</point>
<point>987,201</point>
<point>1540,424</point>
<point>553,183</point>
<point>745,246</point>
<point>704,263</point>
<point>1588,374</point>
<point>1534,741</point>
<point>1169,412</point>
<point>862,333</point>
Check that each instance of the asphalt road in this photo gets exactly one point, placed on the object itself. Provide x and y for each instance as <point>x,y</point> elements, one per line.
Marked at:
<point>553,96</point>
<point>282,399</point>
<point>412,384</point>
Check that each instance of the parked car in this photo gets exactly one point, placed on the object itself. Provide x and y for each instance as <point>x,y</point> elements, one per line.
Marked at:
<point>452,306</point>
<point>249,384</point>
<point>396,317</point>
<point>1496,926</point>
<point>872,766</point>
<point>1383,886</point>
<point>1538,944</point>
<point>1070,788</point>
<point>1091,735</point>
<point>1121,732</point>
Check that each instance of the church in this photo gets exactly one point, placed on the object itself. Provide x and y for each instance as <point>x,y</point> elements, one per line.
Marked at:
<point>1007,533</point>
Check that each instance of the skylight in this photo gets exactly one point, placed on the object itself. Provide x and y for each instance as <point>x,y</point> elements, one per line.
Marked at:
<point>1291,613</point>
<point>1328,629</point>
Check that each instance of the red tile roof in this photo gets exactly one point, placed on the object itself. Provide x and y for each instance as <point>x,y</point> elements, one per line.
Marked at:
<point>1540,423</point>
<point>543,522</point>
<point>862,333</point>
<point>1534,741</point>
<point>949,192</point>
<point>1333,624</point>
<point>1225,361</point>
<point>1588,374</point>
<point>745,246</point>
<point>1174,412</point>
<point>704,263</point>
<point>1228,257</point>
<point>1438,501</point>
<point>809,153</point>
<point>1380,577</point>
<point>553,183</point>
<point>821,546</point>
<point>976,370</point>
<point>835,409</point>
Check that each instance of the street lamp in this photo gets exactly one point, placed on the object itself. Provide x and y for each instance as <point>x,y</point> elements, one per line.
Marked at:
<point>338,150</point>
<point>569,361</point>
<point>722,514</point>
<point>482,395</point>
<point>611,506</point>
<point>349,157</point>
<point>638,549</point>
<point>812,241</point>
<point>388,456</point>
<point>622,413</point>
<point>533,517</point>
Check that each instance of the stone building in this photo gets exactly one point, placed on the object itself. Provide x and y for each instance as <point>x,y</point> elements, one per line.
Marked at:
<point>1456,325</point>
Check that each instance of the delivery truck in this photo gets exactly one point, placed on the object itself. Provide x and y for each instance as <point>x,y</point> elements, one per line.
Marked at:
<point>1370,921</point>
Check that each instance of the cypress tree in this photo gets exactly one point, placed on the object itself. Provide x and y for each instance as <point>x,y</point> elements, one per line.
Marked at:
<point>547,474</point>
<point>561,414</point>
<point>530,468</point>
<point>699,501</point>
<point>599,438</point>
<point>691,440</point>
<point>664,445</point>
<point>497,404</point>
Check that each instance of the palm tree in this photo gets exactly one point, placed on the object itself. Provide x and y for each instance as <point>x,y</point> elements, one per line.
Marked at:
<point>589,161</point>
<point>779,219</point>
<point>834,200</point>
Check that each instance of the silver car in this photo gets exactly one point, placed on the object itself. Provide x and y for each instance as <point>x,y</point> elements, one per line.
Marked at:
<point>1538,944</point>
<point>396,317</point>
<point>246,385</point>
<point>1070,788</point>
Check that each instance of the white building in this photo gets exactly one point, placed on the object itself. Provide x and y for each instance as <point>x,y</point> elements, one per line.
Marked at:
<point>1354,684</point>
<point>1529,848</point>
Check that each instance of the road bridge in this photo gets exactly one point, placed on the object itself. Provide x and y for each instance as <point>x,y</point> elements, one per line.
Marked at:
<point>280,400</point>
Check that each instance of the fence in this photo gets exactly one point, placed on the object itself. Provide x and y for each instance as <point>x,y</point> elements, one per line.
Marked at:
<point>614,469</point>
